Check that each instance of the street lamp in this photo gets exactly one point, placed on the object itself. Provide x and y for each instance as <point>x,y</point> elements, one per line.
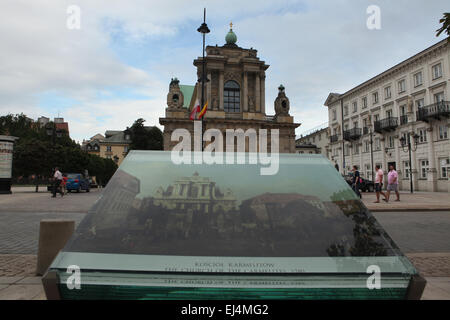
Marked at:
<point>406,143</point>
<point>203,29</point>
<point>371,151</point>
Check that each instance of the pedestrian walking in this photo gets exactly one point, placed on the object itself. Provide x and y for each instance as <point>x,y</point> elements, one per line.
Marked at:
<point>356,181</point>
<point>379,175</point>
<point>57,179</point>
<point>392,184</point>
<point>64,183</point>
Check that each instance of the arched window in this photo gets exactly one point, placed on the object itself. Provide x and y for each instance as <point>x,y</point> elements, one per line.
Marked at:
<point>231,97</point>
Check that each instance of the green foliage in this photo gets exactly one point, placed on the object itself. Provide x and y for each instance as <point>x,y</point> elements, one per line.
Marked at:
<point>145,138</point>
<point>445,25</point>
<point>35,152</point>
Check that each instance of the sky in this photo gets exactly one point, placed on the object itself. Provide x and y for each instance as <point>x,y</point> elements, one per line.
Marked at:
<point>117,66</point>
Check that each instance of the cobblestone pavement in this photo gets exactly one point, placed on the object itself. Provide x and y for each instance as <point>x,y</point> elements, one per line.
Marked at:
<point>17,265</point>
<point>19,231</point>
<point>431,264</point>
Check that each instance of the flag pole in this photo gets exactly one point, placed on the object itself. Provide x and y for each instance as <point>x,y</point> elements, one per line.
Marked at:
<point>203,29</point>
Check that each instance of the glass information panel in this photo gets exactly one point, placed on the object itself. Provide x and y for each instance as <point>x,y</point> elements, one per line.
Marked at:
<point>158,216</point>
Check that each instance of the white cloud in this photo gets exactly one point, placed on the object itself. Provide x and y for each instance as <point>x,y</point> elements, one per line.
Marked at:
<point>313,48</point>
<point>117,114</point>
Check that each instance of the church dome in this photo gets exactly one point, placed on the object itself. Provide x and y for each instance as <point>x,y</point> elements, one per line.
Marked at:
<point>231,37</point>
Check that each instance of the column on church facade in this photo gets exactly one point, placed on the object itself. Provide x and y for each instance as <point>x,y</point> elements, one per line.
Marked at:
<point>221,90</point>
<point>245,94</point>
<point>263,93</point>
<point>257,93</point>
<point>208,91</point>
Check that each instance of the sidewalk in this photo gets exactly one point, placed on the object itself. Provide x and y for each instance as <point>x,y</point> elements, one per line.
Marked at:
<point>24,199</point>
<point>418,201</point>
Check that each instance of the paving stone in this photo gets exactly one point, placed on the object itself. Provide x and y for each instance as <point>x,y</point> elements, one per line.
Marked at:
<point>431,265</point>
<point>21,292</point>
<point>437,288</point>
<point>30,280</point>
<point>9,280</point>
<point>40,296</point>
<point>20,230</point>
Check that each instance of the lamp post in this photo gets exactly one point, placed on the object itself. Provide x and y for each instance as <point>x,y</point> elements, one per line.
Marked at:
<point>342,130</point>
<point>203,29</point>
<point>371,152</point>
<point>406,143</point>
<point>52,132</point>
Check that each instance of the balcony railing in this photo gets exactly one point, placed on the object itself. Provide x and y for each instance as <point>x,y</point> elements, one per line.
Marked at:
<point>352,134</point>
<point>438,111</point>
<point>388,124</point>
<point>403,120</point>
<point>334,138</point>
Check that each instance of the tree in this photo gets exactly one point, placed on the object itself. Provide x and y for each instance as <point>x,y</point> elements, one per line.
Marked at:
<point>445,25</point>
<point>156,141</point>
<point>35,152</point>
<point>145,138</point>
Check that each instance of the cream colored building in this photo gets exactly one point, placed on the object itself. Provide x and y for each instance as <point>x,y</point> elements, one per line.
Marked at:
<point>314,142</point>
<point>411,97</point>
<point>113,145</point>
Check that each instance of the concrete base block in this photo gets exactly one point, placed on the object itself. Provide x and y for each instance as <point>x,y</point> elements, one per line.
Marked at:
<point>53,235</point>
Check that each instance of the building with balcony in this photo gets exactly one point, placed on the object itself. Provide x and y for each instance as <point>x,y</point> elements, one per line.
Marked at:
<point>368,121</point>
<point>314,141</point>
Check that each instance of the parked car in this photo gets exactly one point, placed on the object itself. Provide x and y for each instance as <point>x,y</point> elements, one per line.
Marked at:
<point>365,186</point>
<point>77,182</point>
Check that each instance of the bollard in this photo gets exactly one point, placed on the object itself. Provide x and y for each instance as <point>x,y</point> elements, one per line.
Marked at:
<point>53,235</point>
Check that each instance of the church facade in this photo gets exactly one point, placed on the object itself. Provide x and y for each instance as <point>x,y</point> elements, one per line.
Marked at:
<point>235,92</point>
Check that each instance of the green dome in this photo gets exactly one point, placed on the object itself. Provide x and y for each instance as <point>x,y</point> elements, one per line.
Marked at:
<point>231,37</point>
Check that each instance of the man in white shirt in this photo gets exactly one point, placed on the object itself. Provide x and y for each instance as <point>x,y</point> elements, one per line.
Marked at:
<point>379,175</point>
<point>57,182</point>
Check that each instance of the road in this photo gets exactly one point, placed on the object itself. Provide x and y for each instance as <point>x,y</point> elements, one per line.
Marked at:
<point>412,231</point>
<point>418,231</point>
